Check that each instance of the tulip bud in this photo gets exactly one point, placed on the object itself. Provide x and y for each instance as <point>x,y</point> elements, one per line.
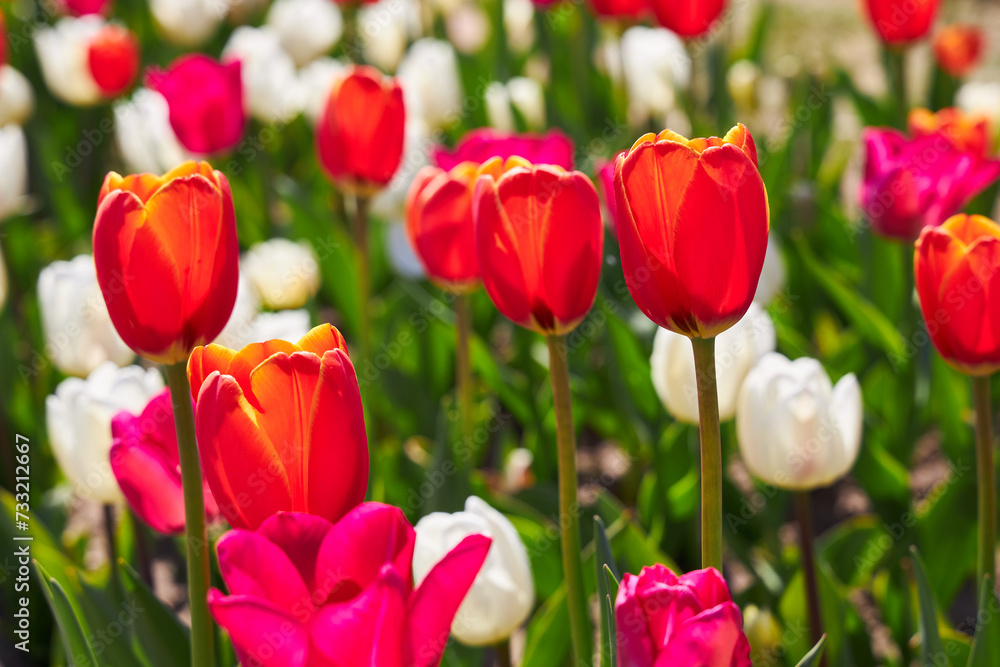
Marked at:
<point>307,29</point>
<point>84,7</point>
<point>17,101</point>
<point>206,102</point>
<point>85,60</point>
<point>796,429</point>
<point>901,21</point>
<point>146,139</point>
<point>78,416</point>
<point>188,22</point>
<point>503,594</point>
<point>519,25</point>
<point>385,28</point>
<point>741,81</point>
<point>78,331</point>
<point>620,9</point>
<point>521,94</point>
<point>737,350</point>
<point>284,273</point>
<point>14,167</point>
<point>654,63</point>
<point>688,18</point>
<point>431,85</point>
<point>956,269</point>
<point>146,463</point>
<point>271,85</point>
<point>958,49</point>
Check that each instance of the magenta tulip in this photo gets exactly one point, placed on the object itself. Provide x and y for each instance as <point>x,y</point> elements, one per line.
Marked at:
<point>481,144</point>
<point>206,102</point>
<point>912,183</point>
<point>663,619</point>
<point>145,461</point>
<point>308,593</point>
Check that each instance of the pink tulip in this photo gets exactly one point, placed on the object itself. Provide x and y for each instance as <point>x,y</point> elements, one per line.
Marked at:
<point>85,7</point>
<point>145,462</point>
<point>308,593</point>
<point>481,144</point>
<point>206,102</point>
<point>910,184</point>
<point>666,620</point>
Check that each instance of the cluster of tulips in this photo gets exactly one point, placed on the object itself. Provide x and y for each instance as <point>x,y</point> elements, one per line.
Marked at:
<point>264,431</point>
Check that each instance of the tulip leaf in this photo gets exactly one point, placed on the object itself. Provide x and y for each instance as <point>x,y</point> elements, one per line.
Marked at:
<point>548,633</point>
<point>604,562</point>
<point>986,644</point>
<point>159,639</point>
<point>930,637</point>
<point>78,652</point>
<point>866,318</point>
<point>813,656</point>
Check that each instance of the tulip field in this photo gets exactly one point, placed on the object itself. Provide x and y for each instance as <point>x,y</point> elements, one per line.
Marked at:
<point>497,333</point>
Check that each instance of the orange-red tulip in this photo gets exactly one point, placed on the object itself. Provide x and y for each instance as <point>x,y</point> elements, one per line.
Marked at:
<point>167,258</point>
<point>280,427</point>
<point>692,226</point>
<point>688,18</point>
<point>440,226</point>
<point>958,48</point>
<point>359,134</point>
<point>957,269</point>
<point>966,132</point>
<point>902,21</point>
<point>539,241</point>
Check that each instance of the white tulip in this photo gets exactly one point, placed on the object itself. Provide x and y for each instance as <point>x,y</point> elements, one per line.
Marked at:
<point>307,29</point>
<point>17,101</point>
<point>14,167</point>
<point>796,430</point>
<point>285,273</point>
<point>385,28</point>
<point>78,417</point>
<point>271,87</point>
<point>654,62</point>
<point>431,85</point>
<point>519,25</point>
<point>468,28</point>
<point>188,22</point>
<point>316,80</point>
<point>63,54</point>
<point>239,328</point>
<point>772,276</point>
<point>288,325</point>
<point>522,94</point>
<point>503,593</point>
<point>737,349</point>
<point>79,335</point>
<point>144,135</point>
<point>390,202</point>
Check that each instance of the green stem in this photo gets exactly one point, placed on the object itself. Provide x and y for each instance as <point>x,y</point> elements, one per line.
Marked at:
<point>569,508</point>
<point>503,653</point>
<point>711,453</point>
<point>196,532</point>
<point>804,515</point>
<point>463,367</point>
<point>359,229</point>
<point>896,71</point>
<point>986,564</point>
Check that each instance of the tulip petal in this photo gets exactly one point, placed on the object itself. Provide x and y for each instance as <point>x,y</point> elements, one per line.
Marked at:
<point>438,598</point>
<point>241,465</point>
<point>262,633</point>
<point>368,537</point>
<point>300,536</point>
<point>635,646</point>
<point>936,252</point>
<point>974,328</point>
<point>336,445</point>
<point>712,639</point>
<point>368,629</point>
<point>321,339</point>
<point>151,484</point>
<point>254,566</point>
<point>846,409</point>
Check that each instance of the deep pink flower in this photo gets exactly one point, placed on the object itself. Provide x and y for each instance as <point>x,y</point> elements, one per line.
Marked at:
<point>206,102</point>
<point>84,7</point>
<point>662,619</point>
<point>308,593</point>
<point>606,186</point>
<point>912,183</point>
<point>146,464</point>
<point>481,144</point>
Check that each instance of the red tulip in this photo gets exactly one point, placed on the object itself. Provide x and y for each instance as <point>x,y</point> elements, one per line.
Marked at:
<point>145,461</point>
<point>281,427</point>
<point>308,593</point>
<point>620,9</point>
<point>688,18</point>
<point>440,226</point>
<point>663,619</point>
<point>84,7</point>
<point>539,240</point>
<point>206,102</point>
<point>902,21</point>
<point>692,226</point>
<point>481,144</point>
<point>959,287</point>
<point>359,134</point>
<point>167,258</point>
<point>958,49</point>
<point>113,56</point>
